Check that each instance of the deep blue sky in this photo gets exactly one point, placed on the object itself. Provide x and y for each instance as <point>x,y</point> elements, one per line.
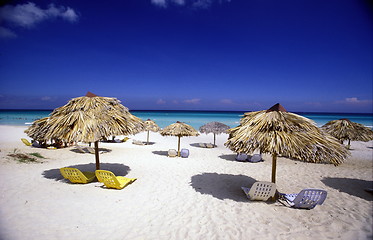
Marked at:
<point>183,54</point>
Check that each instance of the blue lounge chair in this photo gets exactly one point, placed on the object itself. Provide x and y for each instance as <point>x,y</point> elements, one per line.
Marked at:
<point>307,198</point>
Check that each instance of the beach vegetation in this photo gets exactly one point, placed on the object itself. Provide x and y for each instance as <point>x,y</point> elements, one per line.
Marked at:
<point>26,157</point>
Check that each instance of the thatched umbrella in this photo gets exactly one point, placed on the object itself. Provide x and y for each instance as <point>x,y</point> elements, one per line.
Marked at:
<point>215,128</point>
<point>38,129</point>
<point>89,119</point>
<point>179,129</point>
<point>279,132</point>
<point>150,125</point>
<point>344,129</point>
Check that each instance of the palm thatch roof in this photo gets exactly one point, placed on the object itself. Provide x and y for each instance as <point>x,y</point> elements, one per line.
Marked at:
<point>89,119</point>
<point>215,128</point>
<point>179,129</point>
<point>278,132</point>
<point>38,129</point>
<point>344,129</point>
<point>150,125</point>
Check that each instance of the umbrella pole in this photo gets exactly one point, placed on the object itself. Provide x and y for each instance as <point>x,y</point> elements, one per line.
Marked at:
<point>214,139</point>
<point>97,156</point>
<point>178,147</point>
<point>148,139</point>
<point>274,157</point>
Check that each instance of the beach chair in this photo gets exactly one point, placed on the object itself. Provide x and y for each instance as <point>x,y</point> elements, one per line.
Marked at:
<point>307,198</point>
<point>260,191</point>
<point>90,150</point>
<point>76,176</point>
<point>184,153</point>
<point>111,181</point>
<point>137,142</point>
<point>26,142</point>
<point>172,153</point>
<point>209,145</point>
<point>125,139</point>
<point>241,157</point>
<point>202,145</point>
<point>255,158</point>
<point>79,149</point>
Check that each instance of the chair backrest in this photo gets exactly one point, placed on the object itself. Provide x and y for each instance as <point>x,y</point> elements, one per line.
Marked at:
<point>262,191</point>
<point>184,153</point>
<point>108,178</point>
<point>202,145</point>
<point>172,153</point>
<point>256,158</point>
<point>25,141</point>
<point>74,175</point>
<point>209,145</point>
<point>241,157</point>
<point>309,198</point>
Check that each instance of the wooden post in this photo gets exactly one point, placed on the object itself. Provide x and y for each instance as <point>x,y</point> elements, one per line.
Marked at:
<point>274,157</point>
<point>97,156</point>
<point>178,147</point>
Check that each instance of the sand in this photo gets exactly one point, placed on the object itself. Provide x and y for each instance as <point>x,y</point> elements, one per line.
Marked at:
<point>199,197</point>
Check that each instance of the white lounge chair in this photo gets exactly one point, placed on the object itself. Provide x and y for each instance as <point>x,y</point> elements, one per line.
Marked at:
<point>172,153</point>
<point>260,191</point>
<point>307,198</point>
<point>209,145</point>
<point>137,142</point>
<point>202,145</point>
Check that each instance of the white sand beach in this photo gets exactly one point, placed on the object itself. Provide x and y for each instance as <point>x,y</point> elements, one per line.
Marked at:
<point>199,197</point>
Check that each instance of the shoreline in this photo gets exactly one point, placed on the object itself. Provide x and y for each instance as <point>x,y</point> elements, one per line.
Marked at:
<point>178,198</point>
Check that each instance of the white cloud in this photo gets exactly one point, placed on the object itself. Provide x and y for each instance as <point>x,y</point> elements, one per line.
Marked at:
<point>161,101</point>
<point>6,33</point>
<point>354,100</point>
<point>226,101</point>
<point>46,98</point>
<point>193,101</point>
<point>191,3</point>
<point>28,15</point>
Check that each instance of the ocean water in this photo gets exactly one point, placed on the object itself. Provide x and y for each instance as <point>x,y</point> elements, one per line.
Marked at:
<point>193,118</point>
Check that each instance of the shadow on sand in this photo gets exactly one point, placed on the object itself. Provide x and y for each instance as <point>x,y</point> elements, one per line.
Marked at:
<point>222,186</point>
<point>354,187</point>
<point>162,153</point>
<point>116,168</point>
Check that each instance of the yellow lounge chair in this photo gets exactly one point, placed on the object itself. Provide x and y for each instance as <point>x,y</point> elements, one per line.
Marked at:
<point>26,142</point>
<point>112,181</point>
<point>76,176</point>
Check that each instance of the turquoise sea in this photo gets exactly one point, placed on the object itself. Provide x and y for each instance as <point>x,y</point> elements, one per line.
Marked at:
<point>193,118</point>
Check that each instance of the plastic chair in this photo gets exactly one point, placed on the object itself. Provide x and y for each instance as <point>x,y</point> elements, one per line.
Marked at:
<point>307,198</point>
<point>172,153</point>
<point>241,157</point>
<point>209,145</point>
<point>112,181</point>
<point>76,176</point>
<point>260,191</point>
<point>184,153</point>
<point>25,141</point>
<point>255,158</point>
<point>202,145</point>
